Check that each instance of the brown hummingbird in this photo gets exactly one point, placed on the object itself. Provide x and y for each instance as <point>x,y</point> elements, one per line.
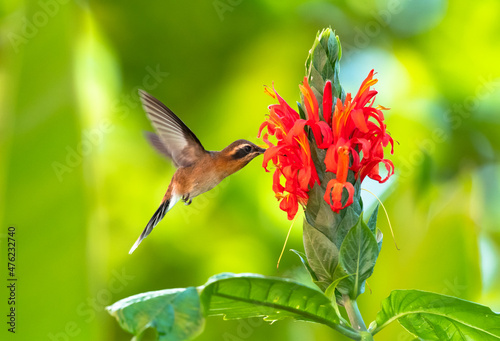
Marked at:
<point>198,170</point>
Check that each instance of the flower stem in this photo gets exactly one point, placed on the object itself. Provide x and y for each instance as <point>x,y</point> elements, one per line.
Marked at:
<point>351,306</point>
<point>347,331</point>
<point>366,336</point>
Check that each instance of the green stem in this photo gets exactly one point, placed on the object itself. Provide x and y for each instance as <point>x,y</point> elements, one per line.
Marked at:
<point>348,331</point>
<point>366,336</point>
<point>354,314</point>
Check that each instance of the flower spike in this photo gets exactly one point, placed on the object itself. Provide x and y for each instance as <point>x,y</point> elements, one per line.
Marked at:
<point>352,132</point>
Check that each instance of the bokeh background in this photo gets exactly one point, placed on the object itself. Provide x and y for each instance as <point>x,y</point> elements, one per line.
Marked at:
<point>79,181</point>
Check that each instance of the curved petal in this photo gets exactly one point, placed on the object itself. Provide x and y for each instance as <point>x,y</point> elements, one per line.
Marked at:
<point>343,162</point>
<point>318,137</point>
<point>265,138</point>
<point>330,159</point>
<point>290,205</point>
<point>269,154</point>
<point>369,81</point>
<point>310,101</point>
<point>277,186</point>
<point>262,126</point>
<point>297,129</point>
<point>389,166</point>
<point>333,194</point>
<point>326,132</point>
<point>304,177</point>
<point>365,97</point>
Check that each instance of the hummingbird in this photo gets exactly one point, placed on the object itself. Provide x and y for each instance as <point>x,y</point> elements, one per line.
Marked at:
<point>198,170</point>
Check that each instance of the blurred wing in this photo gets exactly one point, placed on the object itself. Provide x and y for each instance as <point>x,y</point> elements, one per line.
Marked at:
<point>155,141</point>
<point>179,142</point>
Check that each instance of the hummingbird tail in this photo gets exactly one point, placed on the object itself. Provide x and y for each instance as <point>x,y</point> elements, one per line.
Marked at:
<point>155,219</point>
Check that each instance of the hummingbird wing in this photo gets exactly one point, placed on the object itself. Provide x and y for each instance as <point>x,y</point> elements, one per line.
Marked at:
<point>155,141</point>
<point>179,142</point>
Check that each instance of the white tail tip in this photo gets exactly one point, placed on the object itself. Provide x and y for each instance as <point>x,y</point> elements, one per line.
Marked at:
<point>132,249</point>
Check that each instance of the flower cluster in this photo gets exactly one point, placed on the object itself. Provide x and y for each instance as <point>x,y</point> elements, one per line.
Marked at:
<point>292,155</point>
<point>353,133</point>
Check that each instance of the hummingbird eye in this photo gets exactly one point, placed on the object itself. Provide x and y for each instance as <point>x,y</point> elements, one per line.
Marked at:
<point>242,151</point>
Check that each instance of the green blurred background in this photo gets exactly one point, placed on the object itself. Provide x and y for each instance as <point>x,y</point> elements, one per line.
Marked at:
<point>79,181</point>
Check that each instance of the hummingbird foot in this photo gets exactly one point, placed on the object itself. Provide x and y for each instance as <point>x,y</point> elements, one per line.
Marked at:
<point>187,200</point>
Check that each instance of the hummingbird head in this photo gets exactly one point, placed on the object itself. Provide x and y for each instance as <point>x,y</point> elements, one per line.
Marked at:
<point>239,153</point>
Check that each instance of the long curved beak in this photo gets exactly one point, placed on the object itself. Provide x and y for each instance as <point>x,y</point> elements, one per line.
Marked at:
<point>260,150</point>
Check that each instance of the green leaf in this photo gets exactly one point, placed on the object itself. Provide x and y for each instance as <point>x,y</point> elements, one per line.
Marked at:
<point>303,259</point>
<point>176,314</point>
<point>250,295</point>
<point>321,253</point>
<point>330,291</point>
<point>372,225</point>
<point>357,257</point>
<point>380,238</point>
<point>348,222</point>
<point>357,204</point>
<point>431,316</point>
<point>318,213</point>
<point>372,222</point>
<point>302,114</point>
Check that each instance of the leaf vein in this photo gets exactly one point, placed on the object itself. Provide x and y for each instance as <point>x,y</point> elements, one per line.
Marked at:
<point>401,315</point>
<point>303,313</point>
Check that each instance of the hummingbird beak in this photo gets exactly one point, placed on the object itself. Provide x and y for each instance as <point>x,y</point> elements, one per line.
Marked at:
<point>260,150</point>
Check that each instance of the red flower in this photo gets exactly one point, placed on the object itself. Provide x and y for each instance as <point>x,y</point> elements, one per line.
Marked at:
<point>354,135</point>
<point>291,155</point>
<point>334,188</point>
<point>321,130</point>
<point>357,142</point>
